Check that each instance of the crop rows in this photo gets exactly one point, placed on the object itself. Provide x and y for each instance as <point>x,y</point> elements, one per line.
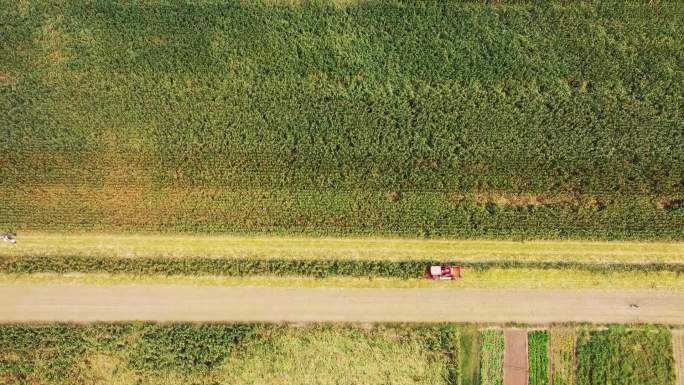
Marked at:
<point>321,354</point>
<point>174,354</point>
<point>491,357</point>
<point>625,356</point>
<point>319,117</point>
<point>562,356</point>
<point>291,267</point>
<point>426,214</point>
<point>538,342</point>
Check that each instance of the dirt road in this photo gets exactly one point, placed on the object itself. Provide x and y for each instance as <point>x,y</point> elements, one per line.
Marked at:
<point>83,303</point>
<point>515,357</point>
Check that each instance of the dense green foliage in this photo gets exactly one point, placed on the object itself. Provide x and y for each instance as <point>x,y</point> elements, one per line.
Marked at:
<point>491,357</point>
<point>171,354</point>
<point>35,352</point>
<point>344,117</point>
<point>537,352</point>
<point>293,267</point>
<point>620,356</point>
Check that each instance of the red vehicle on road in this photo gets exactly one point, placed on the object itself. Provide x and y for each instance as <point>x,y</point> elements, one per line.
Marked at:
<point>444,272</point>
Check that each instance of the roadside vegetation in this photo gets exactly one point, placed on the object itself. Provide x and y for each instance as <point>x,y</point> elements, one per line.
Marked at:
<point>538,342</point>
<point>494,278</point>
<point>503,120</point>
<point>181,245</point>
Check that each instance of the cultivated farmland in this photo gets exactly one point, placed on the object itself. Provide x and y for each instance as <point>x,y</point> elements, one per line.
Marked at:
<point>562,355</point>
<point>538,342</point>
<point>625,356</point>
<point>223,354</point>
<point>491,357</point>
<point>515,120</point>
<point>269,354</point>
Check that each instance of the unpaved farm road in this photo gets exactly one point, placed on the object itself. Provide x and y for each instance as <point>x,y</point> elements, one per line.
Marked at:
<point>86,303</point>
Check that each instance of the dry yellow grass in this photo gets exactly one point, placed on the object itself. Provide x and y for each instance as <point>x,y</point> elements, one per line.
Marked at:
<point>174,245</point>
<point>495,278</point>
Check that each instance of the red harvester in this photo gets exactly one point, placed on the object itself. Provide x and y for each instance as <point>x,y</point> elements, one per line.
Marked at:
<point>450,272</point>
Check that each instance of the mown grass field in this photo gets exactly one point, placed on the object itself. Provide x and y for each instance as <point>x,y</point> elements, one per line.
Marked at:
<point>434,119</point>
<point>33,244</point>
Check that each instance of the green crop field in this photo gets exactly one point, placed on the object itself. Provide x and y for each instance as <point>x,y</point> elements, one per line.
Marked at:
<point>169,354</point>
<point>435,118</point>
<point>316,354</point>
<point>625,356</point>
<point>538,344</point>
<point>491,357</point>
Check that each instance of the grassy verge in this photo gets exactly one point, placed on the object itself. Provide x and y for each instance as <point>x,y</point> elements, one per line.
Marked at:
<point>538,353</point>
<point>197,245</point>
<point>225,354</point>
<point>495,278</point>
<point>625,356</point>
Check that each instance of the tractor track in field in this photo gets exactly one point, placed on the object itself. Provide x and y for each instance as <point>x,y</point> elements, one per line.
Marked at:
<point>88,303</point>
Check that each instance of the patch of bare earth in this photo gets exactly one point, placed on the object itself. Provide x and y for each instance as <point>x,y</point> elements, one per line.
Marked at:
<point>678,353</point>
<point>515,357</point>
<point>503,199</point>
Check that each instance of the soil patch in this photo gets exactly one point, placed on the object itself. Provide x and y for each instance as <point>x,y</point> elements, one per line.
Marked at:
<point>515,357</point>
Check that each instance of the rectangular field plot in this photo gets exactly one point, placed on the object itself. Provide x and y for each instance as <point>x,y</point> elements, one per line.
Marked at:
<point>491,357</point>
<point>678,350</point>
<point>155,354</point>
<point>639,356</point>
<point>538,357</point>
<point>562,355</point>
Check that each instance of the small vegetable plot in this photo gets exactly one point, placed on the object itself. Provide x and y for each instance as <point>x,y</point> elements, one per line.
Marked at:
<point>640,356</point>
<point>538,355</point>
<point>678,350</point>
<point>562,355</point>
<point>491,357</point>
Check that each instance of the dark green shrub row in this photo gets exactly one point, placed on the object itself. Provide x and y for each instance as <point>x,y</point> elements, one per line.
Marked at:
<point>292,267</point>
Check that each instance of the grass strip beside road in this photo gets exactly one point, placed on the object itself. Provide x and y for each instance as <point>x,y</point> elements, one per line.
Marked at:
<point>494,278</point>
<point>190,245</point>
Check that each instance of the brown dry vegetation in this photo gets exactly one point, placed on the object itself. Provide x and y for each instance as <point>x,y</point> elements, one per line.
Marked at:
<point>670,203</point>
<point>502,199</point>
